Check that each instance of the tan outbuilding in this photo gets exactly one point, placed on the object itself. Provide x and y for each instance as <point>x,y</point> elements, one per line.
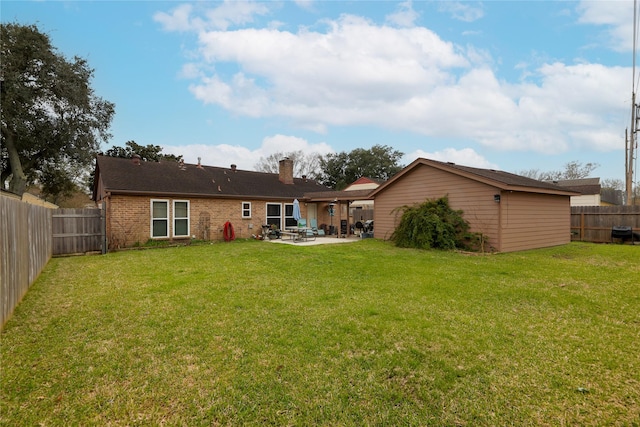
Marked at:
<point>513,212</point>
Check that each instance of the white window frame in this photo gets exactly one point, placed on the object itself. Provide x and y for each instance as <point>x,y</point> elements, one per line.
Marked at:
<point>246,209</point>
<point>166,219</point>
<point>176,218</point>
<point>291,221</point>
<point>266,214</point>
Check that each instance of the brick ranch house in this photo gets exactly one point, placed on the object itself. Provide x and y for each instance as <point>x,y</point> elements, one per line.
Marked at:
<point>176,201</point>
<point>514,212</point>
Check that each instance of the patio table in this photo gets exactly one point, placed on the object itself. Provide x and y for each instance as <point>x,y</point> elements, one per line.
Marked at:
<point>301,233</point>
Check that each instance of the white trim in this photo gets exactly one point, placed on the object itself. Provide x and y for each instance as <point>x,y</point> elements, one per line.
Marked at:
<point>242,209</point>
<point>153,219</point>
<point>266,213</point>
<point>285,216</point>
<point>175,218</point>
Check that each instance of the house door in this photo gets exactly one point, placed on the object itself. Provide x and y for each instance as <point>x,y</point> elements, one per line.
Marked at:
<point>312,212</point>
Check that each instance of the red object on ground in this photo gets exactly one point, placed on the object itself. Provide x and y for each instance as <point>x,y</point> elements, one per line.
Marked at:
<point>229,233</point>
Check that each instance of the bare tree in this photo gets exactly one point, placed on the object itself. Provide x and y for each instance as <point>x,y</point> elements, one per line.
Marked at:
<point>576,170</point>
<point>614,184</point>
<point>572,170</point>
<point>303,164</point>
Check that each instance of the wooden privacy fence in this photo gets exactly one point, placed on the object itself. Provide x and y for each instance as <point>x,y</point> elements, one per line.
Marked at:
<point>25,249</point>
<point>78,231</point>
<point>594,223</point>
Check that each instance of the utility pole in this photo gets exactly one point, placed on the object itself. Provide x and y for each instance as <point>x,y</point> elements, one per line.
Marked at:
<point>629,152</point>
<point>629,155</point>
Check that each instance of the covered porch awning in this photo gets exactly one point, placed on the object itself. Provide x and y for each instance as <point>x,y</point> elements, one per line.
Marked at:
<point>339,198</point>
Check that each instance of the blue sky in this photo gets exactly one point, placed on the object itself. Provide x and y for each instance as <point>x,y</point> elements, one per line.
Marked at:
<point>512,85</point>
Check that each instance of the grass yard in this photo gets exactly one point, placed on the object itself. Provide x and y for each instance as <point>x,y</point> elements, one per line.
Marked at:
<point>253,333</point>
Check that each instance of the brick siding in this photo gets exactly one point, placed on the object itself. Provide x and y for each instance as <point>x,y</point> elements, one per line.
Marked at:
<point>129,218</point>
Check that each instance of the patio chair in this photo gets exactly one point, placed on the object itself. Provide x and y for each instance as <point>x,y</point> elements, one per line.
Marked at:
<point>314,227</point>
<point>308,233</point>
<point>313,224</point>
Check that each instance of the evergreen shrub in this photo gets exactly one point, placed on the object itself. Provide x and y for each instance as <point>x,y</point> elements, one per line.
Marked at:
<point>432,224</point>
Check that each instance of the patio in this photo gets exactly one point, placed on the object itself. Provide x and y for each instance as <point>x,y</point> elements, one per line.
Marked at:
<point>319,240</point>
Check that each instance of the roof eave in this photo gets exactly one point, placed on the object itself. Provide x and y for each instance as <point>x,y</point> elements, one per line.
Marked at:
<point>522,189</point>
<point>492,182</point>
<point>196,195</point>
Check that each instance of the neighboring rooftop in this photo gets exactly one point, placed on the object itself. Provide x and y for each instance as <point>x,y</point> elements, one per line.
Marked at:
<point>584,186</point>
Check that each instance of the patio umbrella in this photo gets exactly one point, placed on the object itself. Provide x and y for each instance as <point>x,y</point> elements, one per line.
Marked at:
<point>296,210</point>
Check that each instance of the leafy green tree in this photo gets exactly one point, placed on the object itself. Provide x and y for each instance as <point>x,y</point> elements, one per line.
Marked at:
<point>149,153</point>
<point>432,224</point>
<point>52,121</point>
<point>303,164</point>
<point>379,162</point>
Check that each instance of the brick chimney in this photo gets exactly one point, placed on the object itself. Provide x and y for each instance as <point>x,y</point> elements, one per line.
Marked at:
<point>286,171</point>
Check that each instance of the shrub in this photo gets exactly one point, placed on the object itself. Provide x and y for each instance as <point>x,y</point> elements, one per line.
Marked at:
<point>432,224</point>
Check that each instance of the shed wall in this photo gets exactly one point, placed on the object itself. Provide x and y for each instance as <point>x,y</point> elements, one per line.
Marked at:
<point>532,220</point>
<point>424,182</point>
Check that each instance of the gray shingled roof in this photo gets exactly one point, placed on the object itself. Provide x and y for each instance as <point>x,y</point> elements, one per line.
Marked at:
<point>500,179</point>
<point>169,178</point>
<point>506,178</point>
<point>585,186</point>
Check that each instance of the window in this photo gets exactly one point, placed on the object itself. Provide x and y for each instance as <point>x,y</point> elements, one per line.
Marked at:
<point>181,218</point>
<point>246,209</point>
<point>289,220</point>
<point>159,218</point>
<point>274,214</point>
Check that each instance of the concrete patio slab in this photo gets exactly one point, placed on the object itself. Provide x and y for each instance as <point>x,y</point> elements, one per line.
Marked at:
<point>327,240</point>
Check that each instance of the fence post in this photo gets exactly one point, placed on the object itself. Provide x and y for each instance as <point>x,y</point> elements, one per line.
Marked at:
<point>103,221</point>
<point>582,226</point>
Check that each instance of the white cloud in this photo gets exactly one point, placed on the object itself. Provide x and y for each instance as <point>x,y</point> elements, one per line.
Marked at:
<point>227,14</point>
<point>463,11</point>
<point>224,155</point>
<point>405,16</point>
<point>464,157</point>
<point>191,71</point>
<point>288,143</point>
<point>235,13</point>
<point>360,73</point>
<point>178,20</point>
<point>617,16</point>
<point>305,4</point>
<point>347,75</point>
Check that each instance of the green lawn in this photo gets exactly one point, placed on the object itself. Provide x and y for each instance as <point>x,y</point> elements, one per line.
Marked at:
<point>255,333</point>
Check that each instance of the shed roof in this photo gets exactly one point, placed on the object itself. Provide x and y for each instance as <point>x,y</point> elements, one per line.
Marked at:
<point>124,176</point>
<point>496,178</point>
